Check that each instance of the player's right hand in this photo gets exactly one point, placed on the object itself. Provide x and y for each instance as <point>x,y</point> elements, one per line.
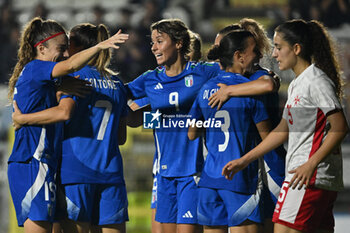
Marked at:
<point>16,117</point>
<point>219,97</point>
<point>118,38</point>
<point>232,167</point>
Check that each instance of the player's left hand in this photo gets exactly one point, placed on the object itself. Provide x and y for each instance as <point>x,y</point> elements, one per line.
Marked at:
<point>302,175</point>
<point>16,116</point>
<point>219,97</point>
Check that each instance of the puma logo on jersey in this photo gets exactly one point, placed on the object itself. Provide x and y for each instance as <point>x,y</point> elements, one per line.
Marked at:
<point>187,215</point>
<point>158,86</point>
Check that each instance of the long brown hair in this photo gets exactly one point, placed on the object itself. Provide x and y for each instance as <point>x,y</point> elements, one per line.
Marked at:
<point>34,31</point>
<point>316,47</point>
<point>86,35</point>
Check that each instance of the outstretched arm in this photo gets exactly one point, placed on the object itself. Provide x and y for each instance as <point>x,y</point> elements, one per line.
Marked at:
<point>335,136</point>
<point>265,84</point>
<point>61,112</point>
<point>79,60</point>
<point>274,139</point>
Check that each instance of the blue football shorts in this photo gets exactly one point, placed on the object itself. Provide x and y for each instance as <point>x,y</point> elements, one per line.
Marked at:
<point>218,207</point>
<point>272,183</point>
<point>98,204</point>
<point>33,190</point>
<point>177,200</point>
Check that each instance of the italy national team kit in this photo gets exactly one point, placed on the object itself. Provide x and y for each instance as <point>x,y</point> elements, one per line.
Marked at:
<point>34,158</point>
<point>92,165</point>
<point>92,169</point>
<point>179,159</point>
<point>235,137</point>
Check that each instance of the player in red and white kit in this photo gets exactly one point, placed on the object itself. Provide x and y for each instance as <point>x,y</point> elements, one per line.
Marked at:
<point>313,123</point>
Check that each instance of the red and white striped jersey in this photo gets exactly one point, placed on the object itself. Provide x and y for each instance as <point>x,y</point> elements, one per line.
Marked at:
<point>310,97</point>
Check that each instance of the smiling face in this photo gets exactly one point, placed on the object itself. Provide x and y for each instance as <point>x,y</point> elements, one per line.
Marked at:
<point>283,52</point>
<point>56,49</point>
<point>164,49</point>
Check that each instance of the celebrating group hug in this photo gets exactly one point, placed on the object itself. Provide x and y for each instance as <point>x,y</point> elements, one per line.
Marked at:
<point>258,172</point>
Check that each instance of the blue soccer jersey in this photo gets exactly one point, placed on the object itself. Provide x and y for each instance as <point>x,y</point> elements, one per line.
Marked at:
<point>34,92</point>
<point>233,138</point>
<point>90,152</point>
<point>275,159</point>
<point>173,97</point>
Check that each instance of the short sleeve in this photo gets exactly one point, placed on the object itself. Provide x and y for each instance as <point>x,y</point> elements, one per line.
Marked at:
<point>142,102</point>
<point>196,112</point>
<point>285,112</point>
<point>258,74</point>
<point>69,96</point>
<point>211,69</point>
<point>323,95</point>
<point>43,70</point>
<point>137,87</point>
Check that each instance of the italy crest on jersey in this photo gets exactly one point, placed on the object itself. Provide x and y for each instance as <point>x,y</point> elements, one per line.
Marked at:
<point>189,81</point>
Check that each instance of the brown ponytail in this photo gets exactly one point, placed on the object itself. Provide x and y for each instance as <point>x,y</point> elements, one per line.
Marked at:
<point>324,55</point>
<point>316,47</point>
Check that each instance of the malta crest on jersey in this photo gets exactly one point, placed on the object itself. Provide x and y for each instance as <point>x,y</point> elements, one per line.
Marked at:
<point>189,81</point>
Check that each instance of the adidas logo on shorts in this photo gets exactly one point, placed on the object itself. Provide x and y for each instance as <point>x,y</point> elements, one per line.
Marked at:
<point>187,215</point>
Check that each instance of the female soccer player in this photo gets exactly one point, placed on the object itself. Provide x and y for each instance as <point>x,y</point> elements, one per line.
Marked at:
<point>232,139</point>
<point>263,82</point>
<point>274,162</point>
<point>313,123</point>
<point>35,151</point>
<point>194,55</point>
<point>92,169</point>
<point>171,89</point>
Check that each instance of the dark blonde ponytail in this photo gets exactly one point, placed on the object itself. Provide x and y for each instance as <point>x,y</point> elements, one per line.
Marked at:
<point>26,53</point>
<point>102,61</point>
<point>86,35</point>
<point>34,31</point>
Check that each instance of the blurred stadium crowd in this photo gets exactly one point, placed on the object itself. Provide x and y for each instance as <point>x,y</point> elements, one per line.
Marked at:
<point>135,17</point>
